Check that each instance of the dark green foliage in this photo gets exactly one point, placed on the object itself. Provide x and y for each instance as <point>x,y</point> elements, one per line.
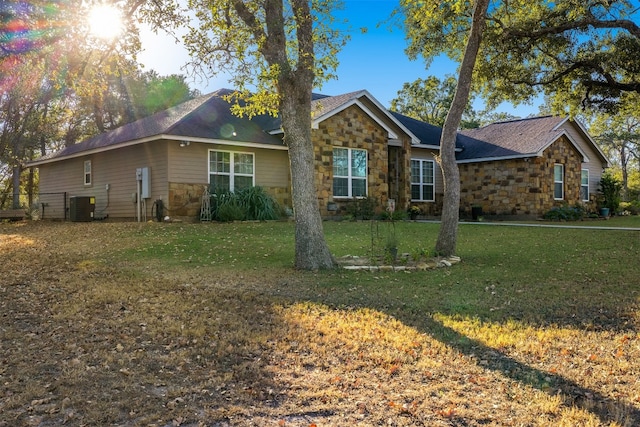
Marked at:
<point>566,213</point>
<point>229,212</point>
<point>610,189</point>
<point>362,208</point>
<point>252,203</point>
<point>397,215</point>
<point>257,204</point>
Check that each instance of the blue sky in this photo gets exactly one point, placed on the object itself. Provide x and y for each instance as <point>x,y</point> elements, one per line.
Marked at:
<point>374,60</point>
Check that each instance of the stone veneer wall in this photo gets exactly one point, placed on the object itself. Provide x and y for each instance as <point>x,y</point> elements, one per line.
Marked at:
<point>351,128</point>
<point>400,175</point>
<point>185,199</point>
<point>521,186</point>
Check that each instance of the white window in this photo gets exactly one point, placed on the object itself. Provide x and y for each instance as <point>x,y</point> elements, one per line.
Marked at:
<point>422,180</point>
<point>87,172</point>
<point>349,172</point>
<point>584,185</point>
<point>558,182</point>
<point>231,171</point>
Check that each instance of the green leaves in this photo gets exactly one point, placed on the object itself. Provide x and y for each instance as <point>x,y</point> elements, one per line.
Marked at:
<point>575,50</point>
<point>260,43</point>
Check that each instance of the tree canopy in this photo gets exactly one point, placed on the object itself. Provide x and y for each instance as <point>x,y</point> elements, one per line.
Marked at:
<point>59,84</point>
<point>429,100</point>
<point>619,136</point>
<point>580,52</point>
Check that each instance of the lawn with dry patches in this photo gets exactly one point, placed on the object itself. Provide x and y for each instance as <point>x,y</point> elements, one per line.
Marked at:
<point>113,324</point>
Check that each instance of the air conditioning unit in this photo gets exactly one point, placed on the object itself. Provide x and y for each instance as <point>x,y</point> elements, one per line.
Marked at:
<point>81,208</point>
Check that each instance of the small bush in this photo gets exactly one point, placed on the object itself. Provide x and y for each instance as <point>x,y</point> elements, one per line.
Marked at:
<point>610,189</point>
<point>252,203</point>
<point>363,208</point>
<point>257,204</point>
<point>566,213</point>
<point>630,208</point>
<point>230,212</point>
<point>392,216</point>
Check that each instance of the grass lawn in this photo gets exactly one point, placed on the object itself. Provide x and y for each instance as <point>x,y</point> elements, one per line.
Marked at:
<point>125,324</point>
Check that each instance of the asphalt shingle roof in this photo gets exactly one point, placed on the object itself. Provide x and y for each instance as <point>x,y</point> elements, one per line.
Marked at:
<point>523,137</point>
<point>208,117</point>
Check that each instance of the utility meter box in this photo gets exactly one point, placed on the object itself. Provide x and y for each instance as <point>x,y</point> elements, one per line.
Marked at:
<point>81,208</point>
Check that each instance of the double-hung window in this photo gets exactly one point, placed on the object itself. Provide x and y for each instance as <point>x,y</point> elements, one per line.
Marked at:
<point>558,182</point>
<point>584,185</point>
<point>230,170</point>
<point>422,180</point>
<point>349,172</point>
<point>87,173</point>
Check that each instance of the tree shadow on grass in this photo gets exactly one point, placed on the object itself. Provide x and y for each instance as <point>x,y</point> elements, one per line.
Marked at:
<point>572,394</point>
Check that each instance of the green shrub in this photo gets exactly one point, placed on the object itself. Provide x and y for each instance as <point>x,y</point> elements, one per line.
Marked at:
<point>257,204</point>
<point>252,203</point>
<point>630,208</point>
<point>397,215</point>
<point>230,212</point>
<point>566,213</point>
<point>362,208</point>
<point>610,189</point>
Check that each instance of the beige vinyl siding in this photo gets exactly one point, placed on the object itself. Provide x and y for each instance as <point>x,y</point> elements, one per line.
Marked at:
<point>116,168</point>
<point>190,164</point>
<point>594,164</point>
<point>427,154</point>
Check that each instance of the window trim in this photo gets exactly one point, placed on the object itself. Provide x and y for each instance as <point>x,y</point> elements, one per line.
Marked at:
<point>561,181</point>
<point>421,184</point>
<point>87,175</point>
<point>583,185</point>
<point>232,173</point>
<point>350,178</point>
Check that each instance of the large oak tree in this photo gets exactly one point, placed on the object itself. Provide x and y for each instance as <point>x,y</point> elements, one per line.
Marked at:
<point>277,51</point>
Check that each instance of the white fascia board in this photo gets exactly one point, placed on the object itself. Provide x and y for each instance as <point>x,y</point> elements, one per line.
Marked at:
<point>355,101</point>
<point>315,123</point>
<point>585,158</point>
<point>227,142</point>
<point>589,138</point>
<point>414,139</point>
<point>96,150</point>
<point>155,138</point>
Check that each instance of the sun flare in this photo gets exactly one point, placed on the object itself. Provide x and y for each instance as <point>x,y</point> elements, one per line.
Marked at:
<point>105,21</point>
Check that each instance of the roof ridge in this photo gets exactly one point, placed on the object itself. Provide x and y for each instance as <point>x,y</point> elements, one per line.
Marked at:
<point>522,119</point>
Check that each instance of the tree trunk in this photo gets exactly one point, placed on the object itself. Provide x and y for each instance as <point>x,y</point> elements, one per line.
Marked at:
<point>448,235</point>
<point>311,249</point>
<point>17,170</point>
<point>624,164</point>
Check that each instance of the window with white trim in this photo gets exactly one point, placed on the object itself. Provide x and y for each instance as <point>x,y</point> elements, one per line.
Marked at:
<point>231,170</point>
<point>349,172</point>
<point>422,180</point>
<point>87,172</point>
<point>558,182</point>
<point>584,185</point>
